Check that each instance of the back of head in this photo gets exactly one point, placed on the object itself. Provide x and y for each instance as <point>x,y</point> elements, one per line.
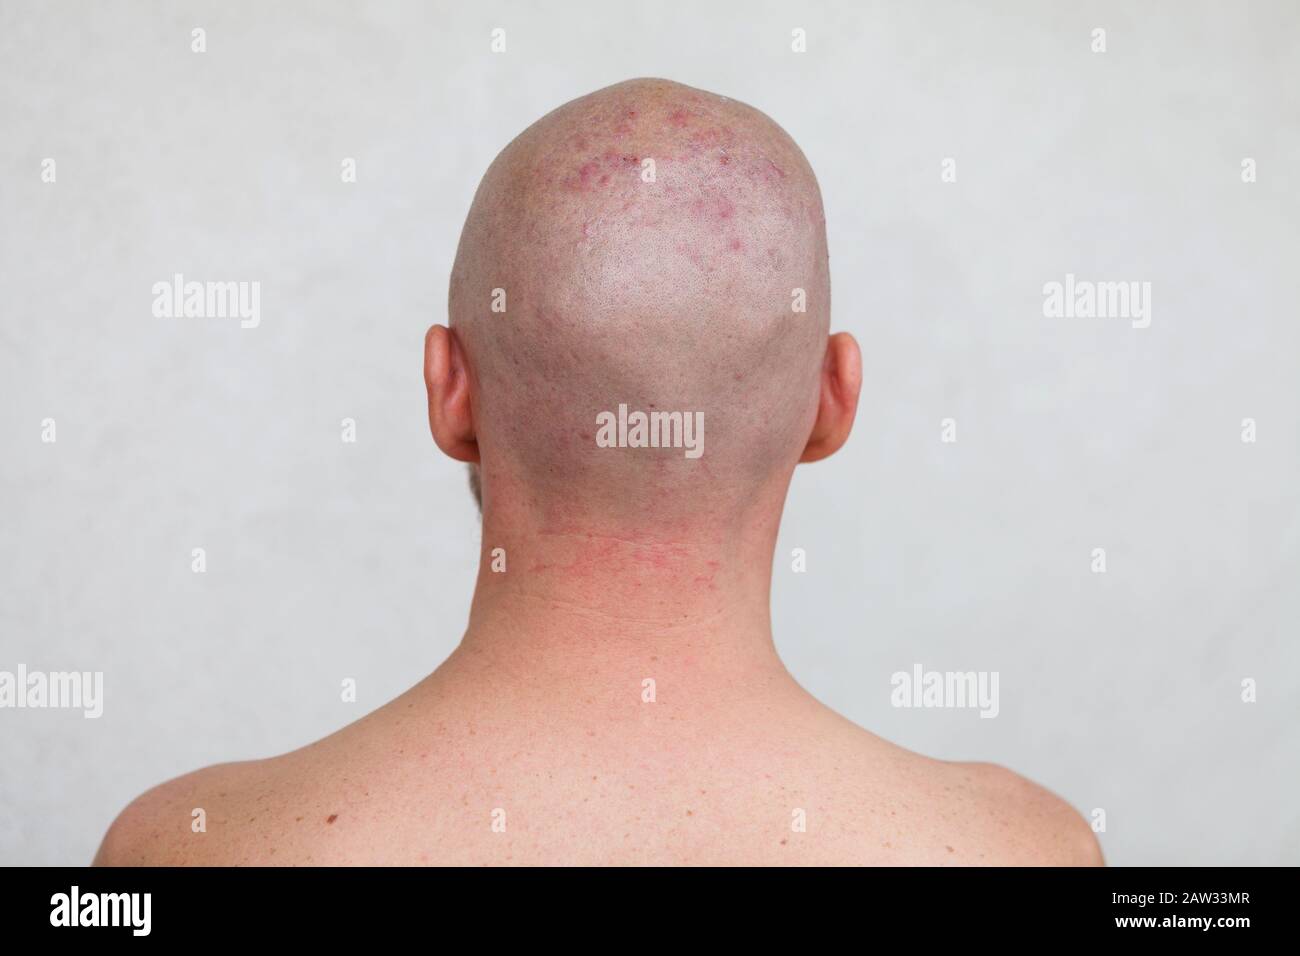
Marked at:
<point>627,294</point>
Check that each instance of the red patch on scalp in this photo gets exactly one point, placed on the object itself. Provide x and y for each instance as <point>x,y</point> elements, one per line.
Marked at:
<point>767,171</point>
<point>624,126</point>
<point>587,171</point>
<point>717,137</point>
<point>591,172</point>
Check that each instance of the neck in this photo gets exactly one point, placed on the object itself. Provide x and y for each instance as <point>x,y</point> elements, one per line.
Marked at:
<point>581,601</point>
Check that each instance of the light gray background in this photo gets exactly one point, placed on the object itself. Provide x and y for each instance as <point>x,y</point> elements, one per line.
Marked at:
<point>325,560</point>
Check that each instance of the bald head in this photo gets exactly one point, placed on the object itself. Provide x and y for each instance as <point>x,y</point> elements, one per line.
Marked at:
<point>645,249</point>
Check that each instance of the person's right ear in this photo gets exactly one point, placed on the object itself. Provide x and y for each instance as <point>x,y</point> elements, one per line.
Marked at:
<point>446,376</point>
<point>838,405</point>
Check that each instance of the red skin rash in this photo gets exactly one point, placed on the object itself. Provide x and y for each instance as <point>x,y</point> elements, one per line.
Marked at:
<point>714,138</point>
<point>624,127</point>
<point>719,208</point>
<point>708,579</point>
<point>614,158</point>
<point>691,253</point>
<point>600,169</point>
<point>597,172</point>
<point>627,554</point>
<point>701,139</point>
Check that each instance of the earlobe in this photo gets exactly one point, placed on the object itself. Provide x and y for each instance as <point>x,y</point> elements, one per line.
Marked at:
<point>841,383</point>
<point>446,377</point>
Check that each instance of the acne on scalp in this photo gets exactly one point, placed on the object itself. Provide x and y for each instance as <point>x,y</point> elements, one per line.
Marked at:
<point>638,305</point>
<point>607,158</point>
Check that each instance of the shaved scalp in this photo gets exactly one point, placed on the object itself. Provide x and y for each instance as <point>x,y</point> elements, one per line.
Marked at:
<point>670,293</point>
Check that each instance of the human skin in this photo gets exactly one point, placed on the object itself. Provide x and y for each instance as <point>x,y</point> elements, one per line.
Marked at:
<point>537,741</point>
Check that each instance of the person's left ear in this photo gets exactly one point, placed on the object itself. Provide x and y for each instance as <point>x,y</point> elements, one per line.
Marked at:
<point>446,376</point>
<point>838,405</point>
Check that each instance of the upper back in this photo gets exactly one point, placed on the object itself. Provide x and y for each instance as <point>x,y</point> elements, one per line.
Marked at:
<point>803,788</point>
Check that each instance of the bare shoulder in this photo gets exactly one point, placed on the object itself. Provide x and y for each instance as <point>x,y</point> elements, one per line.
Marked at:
<point>298,808</point>
<point>171,824</point>
<point>1023,824</point>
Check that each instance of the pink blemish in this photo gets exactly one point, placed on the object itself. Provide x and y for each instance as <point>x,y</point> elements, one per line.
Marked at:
<point>615,158</point>
<point>770,171</point>
<point>708,579</point>
<point>724,159</point>
<point>593,172</point>
<point>737,245</point>
<point>720,208</point>
<point>679,118</point>
<point>624,125</point>
<point>696,259</point>
<point>716,138</point>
